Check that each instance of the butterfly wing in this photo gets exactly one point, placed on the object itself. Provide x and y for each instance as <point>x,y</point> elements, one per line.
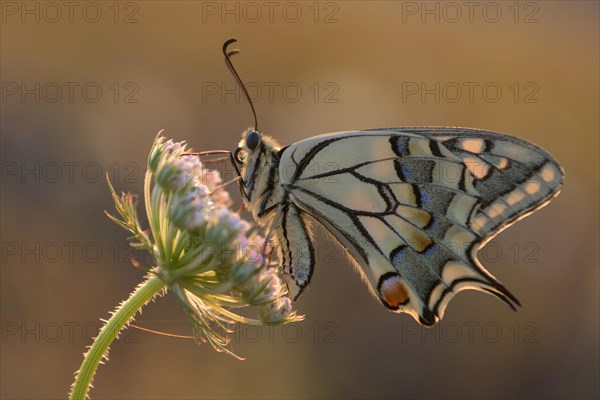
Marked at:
<point>413,205</point>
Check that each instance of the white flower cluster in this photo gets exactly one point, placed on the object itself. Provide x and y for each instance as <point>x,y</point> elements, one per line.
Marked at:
<point>208,255</point>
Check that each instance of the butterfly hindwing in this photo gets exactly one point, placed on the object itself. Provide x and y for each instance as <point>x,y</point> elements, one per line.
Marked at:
<point>413,206</point>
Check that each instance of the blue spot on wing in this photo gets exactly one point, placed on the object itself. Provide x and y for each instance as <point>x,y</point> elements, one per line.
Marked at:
<point>401,147</point>
<point>397,256</point>
<point>424,196</point>
<point>405,171</point>
<point>433,223</point>
<point>430,250</point>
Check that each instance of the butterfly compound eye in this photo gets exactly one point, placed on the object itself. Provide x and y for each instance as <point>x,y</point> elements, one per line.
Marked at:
<point>252,140</point>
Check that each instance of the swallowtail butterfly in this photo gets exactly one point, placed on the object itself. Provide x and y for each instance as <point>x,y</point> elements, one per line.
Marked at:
<point>411,206</point>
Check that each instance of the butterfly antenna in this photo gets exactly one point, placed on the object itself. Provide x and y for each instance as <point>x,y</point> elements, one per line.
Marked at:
<point>228,54</point>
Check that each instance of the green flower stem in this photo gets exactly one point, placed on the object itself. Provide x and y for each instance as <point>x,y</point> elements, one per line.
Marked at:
<point>143,293</point>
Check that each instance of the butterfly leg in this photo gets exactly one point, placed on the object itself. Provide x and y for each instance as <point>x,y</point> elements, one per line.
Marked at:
<point>270,230</point>
<point>231,159</point>
<point>225,184</point>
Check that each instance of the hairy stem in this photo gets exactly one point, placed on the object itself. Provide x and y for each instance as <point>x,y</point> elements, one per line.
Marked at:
<point>99,349</point>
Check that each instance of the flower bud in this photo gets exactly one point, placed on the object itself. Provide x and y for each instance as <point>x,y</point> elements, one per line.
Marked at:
<point>156,153</point>
<point>171,177</point>
<point>242,271</point>
<point>277,311</point>
<point>190,208</point>
<point>262,288</point>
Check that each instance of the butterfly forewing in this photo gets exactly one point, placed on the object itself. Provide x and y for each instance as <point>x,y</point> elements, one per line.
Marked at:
<point>412,206</point>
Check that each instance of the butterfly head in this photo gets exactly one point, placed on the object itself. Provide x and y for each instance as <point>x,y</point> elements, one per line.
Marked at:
<point>249,145</point>
<point>257,159</point>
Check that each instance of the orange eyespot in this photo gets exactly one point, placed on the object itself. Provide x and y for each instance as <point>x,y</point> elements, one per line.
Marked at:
<point>393,291</point>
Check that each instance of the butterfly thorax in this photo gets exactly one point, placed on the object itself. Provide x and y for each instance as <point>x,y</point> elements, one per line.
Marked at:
<point>260,174</point>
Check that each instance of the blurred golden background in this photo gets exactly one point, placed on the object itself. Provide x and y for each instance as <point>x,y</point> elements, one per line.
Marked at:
<point>87,85</point>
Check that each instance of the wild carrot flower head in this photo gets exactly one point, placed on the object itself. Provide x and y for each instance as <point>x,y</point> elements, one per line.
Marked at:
<point>205,252</point>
